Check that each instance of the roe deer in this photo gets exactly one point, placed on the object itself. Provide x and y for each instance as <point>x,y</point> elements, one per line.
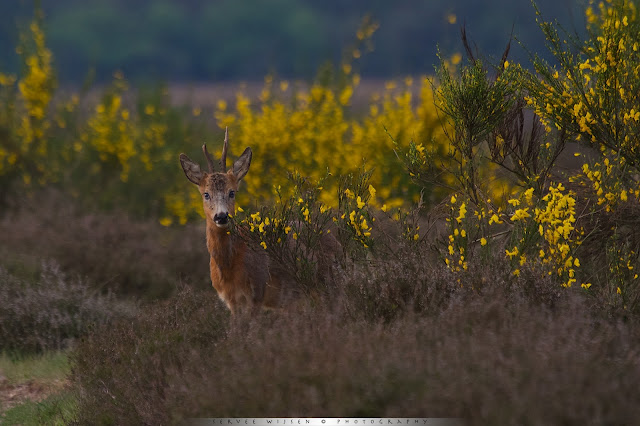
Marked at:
<point>242,276</point>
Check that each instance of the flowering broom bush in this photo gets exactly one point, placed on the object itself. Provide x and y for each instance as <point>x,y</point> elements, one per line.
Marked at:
<point>508,126</point>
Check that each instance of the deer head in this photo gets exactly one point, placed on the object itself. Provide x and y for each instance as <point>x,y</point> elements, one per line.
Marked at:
<point>218,187</point>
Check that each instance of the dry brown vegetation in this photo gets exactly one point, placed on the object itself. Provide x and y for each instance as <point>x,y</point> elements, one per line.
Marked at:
<point>114,252</point>
<point>404,336</point>
<point>490,350</point>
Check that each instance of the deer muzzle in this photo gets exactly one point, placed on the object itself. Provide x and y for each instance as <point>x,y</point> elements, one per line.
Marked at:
<point>221,219</point>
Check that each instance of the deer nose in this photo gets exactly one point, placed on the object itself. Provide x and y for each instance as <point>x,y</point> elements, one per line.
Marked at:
<point>221,218</point>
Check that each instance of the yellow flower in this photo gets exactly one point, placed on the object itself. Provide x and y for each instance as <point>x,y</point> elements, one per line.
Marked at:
<point>483,241</point>
<point>352,216</point>
<point>520,214</point>
<point>512,253</point>
<point>463,212</point>
<point>494,219</point>
<point>528,195</point>
<point>264,245</point>
<point>360,203</point>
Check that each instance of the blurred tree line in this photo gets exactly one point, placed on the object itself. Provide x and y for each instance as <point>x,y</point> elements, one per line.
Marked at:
<point>224,40</point>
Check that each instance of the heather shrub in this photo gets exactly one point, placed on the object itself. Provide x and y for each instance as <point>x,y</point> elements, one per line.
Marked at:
<point>402,282</point>
<point>52,312</point>
<point>116,253</point>
<point>496,350</point>
<point>129,360</point>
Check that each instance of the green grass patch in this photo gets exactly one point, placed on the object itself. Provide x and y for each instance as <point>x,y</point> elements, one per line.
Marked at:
<point>34,389</point>
<point>57,409</point>
<point>46,367</point>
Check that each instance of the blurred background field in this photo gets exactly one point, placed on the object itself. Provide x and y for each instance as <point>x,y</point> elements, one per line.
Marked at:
<point>209,41</point>
<point>485,192</point>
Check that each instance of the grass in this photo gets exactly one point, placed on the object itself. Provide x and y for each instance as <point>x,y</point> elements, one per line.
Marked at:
<point>35,389</point>
<point>57,409</point>
<point>46,367</point>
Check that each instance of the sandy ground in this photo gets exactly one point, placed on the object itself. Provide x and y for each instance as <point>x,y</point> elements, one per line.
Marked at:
<point>12,394</point>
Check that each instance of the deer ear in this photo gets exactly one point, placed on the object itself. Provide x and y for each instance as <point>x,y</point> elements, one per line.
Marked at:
<point>241,166</point>
<point>191,169</point>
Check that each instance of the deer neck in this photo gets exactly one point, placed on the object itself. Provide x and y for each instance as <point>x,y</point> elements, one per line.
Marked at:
<point>220,245</point>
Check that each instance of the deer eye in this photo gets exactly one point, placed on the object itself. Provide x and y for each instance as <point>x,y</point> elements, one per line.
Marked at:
<point>206,196</point>
<point>232,194</point>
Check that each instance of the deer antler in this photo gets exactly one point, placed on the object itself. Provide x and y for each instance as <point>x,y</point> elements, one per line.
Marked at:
<point>209,158</point>
<point>223,159</point>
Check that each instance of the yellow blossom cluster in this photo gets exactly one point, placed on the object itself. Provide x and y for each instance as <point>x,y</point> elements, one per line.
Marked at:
<point>315,131</point>
<point>608,181</point>
<point>26,116</point>
<point>356,219</point>
<point>544,232</point>
<point>594,96</point>
<point>467,231</point>
<point>112,134</point>
<point>456,257</point>
<point>556,222</point>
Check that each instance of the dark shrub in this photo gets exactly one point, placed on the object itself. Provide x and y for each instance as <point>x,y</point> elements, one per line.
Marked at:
<point>493,351</point>
<point>53,311</point>
<point>122,370</point>
<point>134,258</point>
